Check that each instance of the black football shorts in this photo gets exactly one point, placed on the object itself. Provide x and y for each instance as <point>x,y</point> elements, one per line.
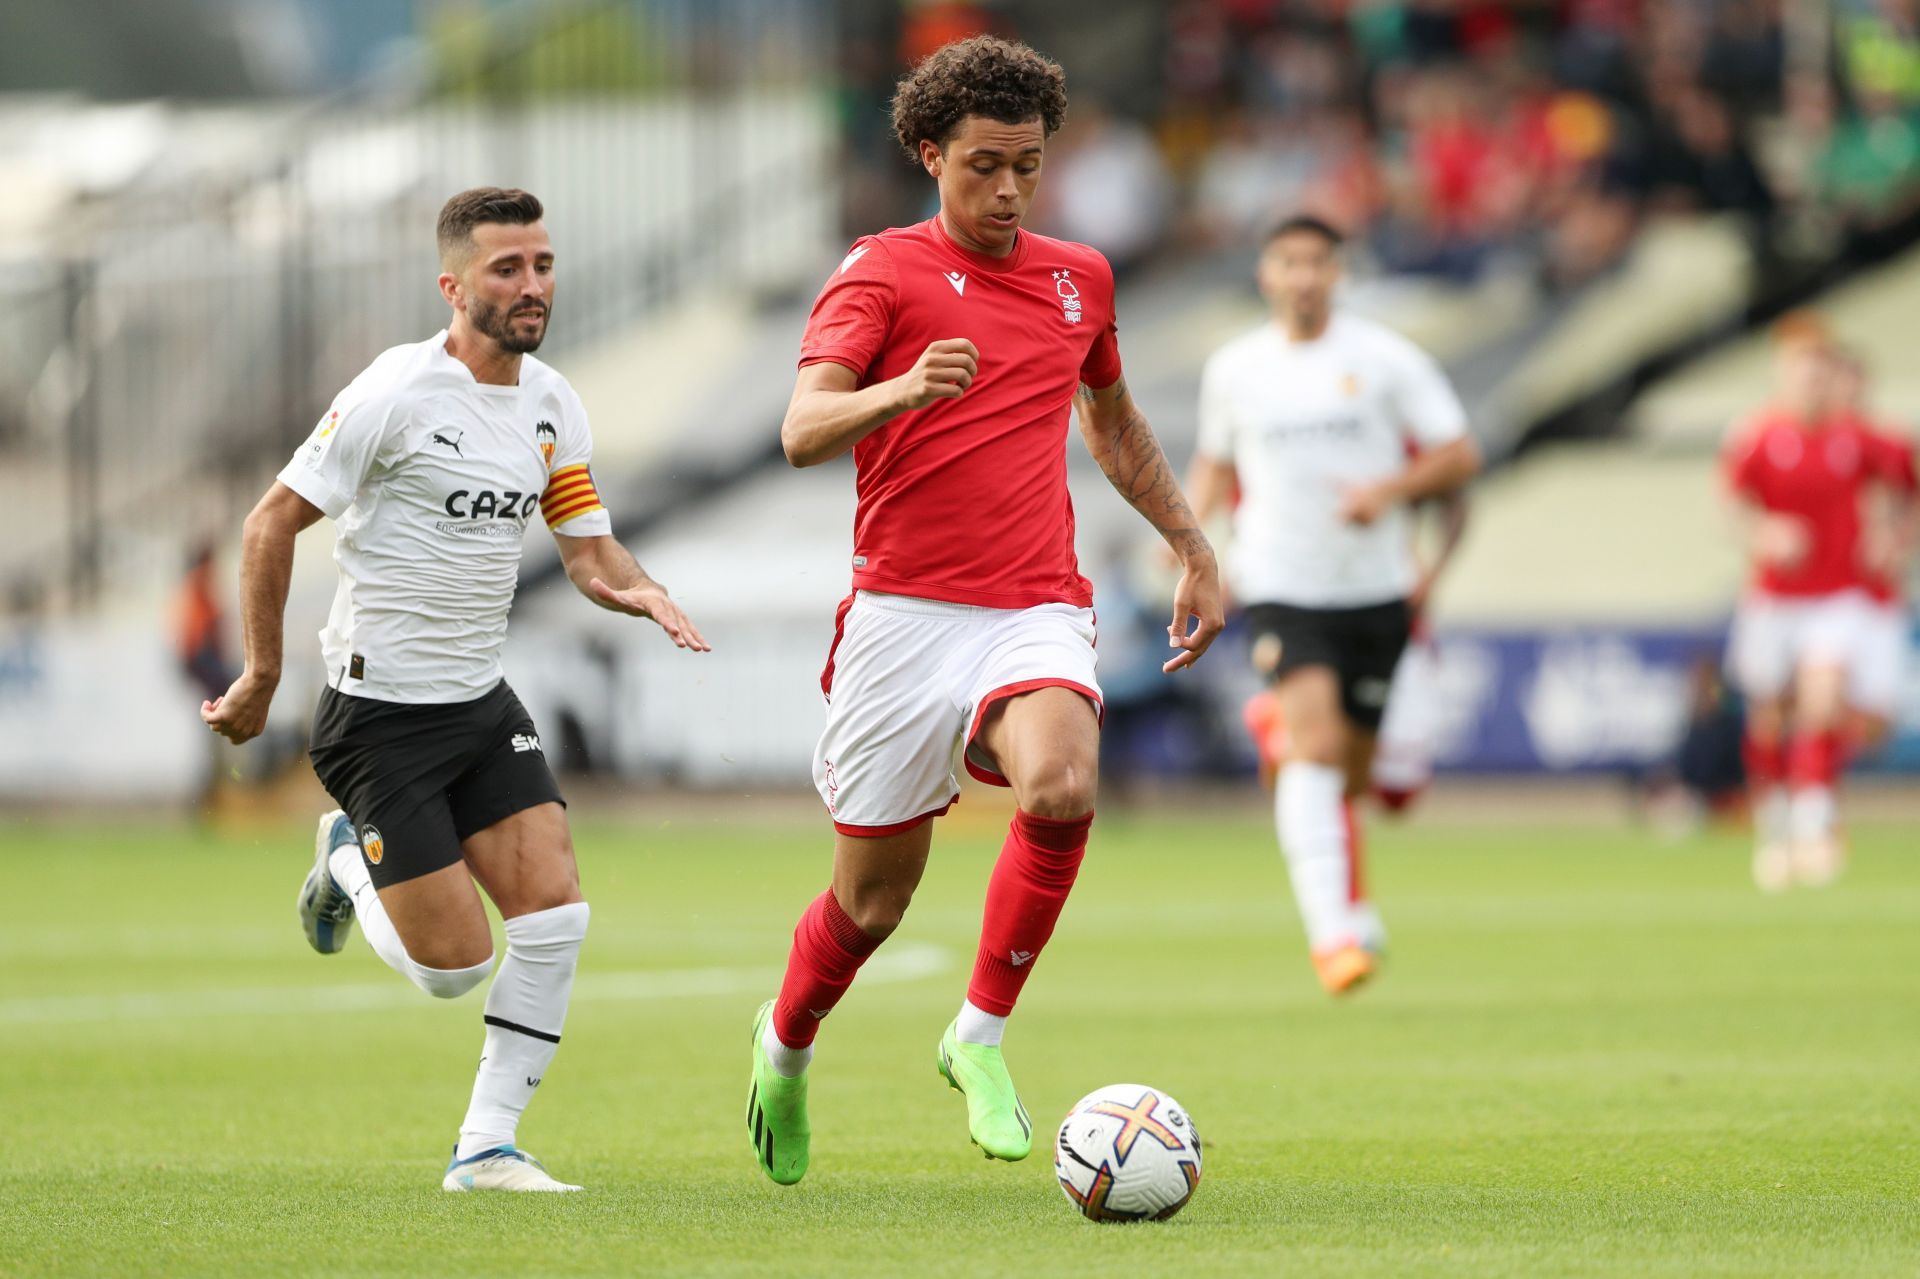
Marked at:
<point>417,779</point>
<point>1361,645</point>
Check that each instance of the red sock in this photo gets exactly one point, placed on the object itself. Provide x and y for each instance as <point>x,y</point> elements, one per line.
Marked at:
<point>1356,880</point>
<point>1030,883</point>
<point>1815,759</point>
<point>828,949</point>
<point>1766,762</point>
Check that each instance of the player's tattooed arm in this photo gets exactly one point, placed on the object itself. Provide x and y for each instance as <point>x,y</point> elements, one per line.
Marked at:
<point>1124,445</point>
<point>606,573</point>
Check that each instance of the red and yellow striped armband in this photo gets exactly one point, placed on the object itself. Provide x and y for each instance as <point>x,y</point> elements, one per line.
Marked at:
<point>570,493</point>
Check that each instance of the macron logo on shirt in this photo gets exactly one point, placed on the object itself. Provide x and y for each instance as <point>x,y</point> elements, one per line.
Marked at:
<point>852,257</point>
<point>959,282</point>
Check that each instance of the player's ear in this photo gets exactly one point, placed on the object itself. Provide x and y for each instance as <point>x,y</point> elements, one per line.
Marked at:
<point>930,157</point>
<point>450,288</point>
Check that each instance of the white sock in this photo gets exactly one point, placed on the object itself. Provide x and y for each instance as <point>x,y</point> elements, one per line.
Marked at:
<point>1771,822</point>
<point>787,1062</point>
<point>1313,836</point>
<point>1368,927</point>
<point>526,1011</point>
<point>1812,812</point>
<point>978,1026</point>
<point>350,872</point>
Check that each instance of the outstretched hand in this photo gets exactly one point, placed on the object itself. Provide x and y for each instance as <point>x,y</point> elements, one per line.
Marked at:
<point>1197,597</point>
<point>650,600</point>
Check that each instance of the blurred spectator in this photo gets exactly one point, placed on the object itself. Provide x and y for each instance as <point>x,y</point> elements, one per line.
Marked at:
<point>1109,186</point>
<point>200,627</point>
<point>1705,777</point>
<point>1880,48</point>
<point>1696,160</point>
<point>1448,135</point>
<point>1867,169</point>
<point>1257,166</point>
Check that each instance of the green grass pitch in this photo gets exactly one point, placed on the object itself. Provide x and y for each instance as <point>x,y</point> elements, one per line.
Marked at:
<point>1589,1055</point>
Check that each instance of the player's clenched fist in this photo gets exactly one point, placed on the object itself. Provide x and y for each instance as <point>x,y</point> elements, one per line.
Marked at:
<point>240,714</point>
<point>943,372</point>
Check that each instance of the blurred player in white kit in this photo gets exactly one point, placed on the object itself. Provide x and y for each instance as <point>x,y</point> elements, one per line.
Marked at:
<point>1331,427</point>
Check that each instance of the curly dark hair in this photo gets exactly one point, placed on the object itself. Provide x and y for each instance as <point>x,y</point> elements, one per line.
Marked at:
<point>984,75</point>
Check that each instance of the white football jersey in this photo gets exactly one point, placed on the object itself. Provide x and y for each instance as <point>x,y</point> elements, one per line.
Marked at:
<point>1304,421</point>
<point>430,478</point>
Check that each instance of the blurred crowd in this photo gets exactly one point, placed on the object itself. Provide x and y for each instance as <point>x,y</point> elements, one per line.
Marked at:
<point>1452,135</point>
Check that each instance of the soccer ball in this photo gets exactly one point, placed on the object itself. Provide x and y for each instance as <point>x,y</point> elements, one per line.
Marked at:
<point>1128,1152</point>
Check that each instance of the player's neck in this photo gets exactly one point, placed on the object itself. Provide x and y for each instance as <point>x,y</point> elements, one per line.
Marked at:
<point>960,239</point>
<point>1804,418</point>
<point>1304,329</point>
<point>489,365</point>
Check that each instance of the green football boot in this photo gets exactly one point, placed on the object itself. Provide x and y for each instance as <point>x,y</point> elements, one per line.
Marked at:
<point>996,1120</point>
<point>777,1113</point>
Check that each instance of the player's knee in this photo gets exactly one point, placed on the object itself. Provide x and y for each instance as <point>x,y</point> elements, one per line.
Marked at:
<point>554,931</point>
<point>546,899</point>
<point>450,982</point>
<point>1317,745</point>
<point>875,909</point>
<point>1063,790</point>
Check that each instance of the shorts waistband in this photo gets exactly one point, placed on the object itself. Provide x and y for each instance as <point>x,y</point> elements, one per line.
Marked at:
<point>916,606</point>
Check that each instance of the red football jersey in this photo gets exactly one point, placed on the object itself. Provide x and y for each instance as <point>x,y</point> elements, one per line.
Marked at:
<point>1820,477</point>
<point>966,499</point>
<point>1890,459</point>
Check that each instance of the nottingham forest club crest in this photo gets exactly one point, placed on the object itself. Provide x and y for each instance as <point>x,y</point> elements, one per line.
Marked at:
<point>546,437</point>
<point>1069,296</point>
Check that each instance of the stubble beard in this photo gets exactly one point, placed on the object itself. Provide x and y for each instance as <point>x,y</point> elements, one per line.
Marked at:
<point>497,323</point>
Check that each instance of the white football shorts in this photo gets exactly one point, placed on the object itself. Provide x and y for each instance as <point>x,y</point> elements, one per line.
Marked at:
<point>1775,635</point>
<point>1880,665</point>
<point>909,681</point>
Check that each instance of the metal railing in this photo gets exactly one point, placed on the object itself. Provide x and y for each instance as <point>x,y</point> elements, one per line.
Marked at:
<point>169,343</point>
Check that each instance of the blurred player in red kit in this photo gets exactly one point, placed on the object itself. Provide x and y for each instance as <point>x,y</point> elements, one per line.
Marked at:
<point>1892,525</point>
<point>1801,471</point>
<point>947,357</point>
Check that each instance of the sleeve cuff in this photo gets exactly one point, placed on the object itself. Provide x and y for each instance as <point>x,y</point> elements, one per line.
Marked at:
<point>332,504</point>
<point>594,523</point>
<point>1446,431</point>
<point>841,355</point>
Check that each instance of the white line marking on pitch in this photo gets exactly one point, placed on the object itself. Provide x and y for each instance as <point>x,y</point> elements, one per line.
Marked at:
<point>909,961</point>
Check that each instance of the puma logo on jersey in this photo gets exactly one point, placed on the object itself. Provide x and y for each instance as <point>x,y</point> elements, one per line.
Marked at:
<point>452,443</point>
<point>852,257</point>
<point>959,282</point>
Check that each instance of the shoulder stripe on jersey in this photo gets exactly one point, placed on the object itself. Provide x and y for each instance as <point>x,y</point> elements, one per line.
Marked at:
<point>569,493</point>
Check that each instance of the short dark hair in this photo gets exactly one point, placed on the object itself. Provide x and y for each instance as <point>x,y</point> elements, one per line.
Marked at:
<point>1308,223</point>
<point>1002,80</point>
<point>477,206</point>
